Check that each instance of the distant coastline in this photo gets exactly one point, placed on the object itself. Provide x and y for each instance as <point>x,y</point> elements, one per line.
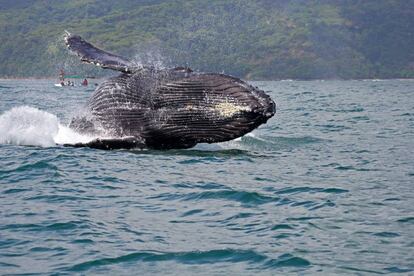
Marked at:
<point>258,39</point>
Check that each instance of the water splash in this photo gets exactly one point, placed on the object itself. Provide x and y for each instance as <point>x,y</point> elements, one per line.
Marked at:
<point>150,54</point>
<point>29,126</point>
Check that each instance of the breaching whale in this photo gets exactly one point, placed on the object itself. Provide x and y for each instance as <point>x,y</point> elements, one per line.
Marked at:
<point>147,107</point>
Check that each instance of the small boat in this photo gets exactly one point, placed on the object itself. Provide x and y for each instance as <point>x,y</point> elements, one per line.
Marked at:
<point>66,84</point>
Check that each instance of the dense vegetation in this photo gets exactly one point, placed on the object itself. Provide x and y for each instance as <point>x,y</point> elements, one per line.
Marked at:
<point>260,39</point>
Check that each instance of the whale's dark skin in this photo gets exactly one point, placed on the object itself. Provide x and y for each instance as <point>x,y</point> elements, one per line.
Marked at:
<point>145,107</point>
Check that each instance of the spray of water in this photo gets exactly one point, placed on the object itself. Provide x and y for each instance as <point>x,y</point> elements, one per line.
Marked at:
<point>149,54</point>
<point>30,126</point>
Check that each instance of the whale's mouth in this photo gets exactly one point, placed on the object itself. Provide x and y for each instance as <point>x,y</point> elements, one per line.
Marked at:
<point>270,109</point>
<point>267,107</point>
<point>129,142</point>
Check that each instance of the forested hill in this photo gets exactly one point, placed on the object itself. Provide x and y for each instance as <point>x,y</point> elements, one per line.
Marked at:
<point>253,39</point>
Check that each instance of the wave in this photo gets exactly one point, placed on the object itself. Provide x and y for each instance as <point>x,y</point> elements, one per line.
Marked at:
<point>29,126</point>
<point>243,197</point>
<point>198,258</point>
<point>252,142</point>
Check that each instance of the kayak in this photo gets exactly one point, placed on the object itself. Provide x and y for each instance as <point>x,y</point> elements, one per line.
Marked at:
<point>60,85</point>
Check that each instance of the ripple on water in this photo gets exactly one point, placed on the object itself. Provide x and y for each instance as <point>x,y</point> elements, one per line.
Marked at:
<point>304,189</point>
<point>8,265</point>
<point>17,190</point>
<point>287,260</point>
<point>406,220</point>
<point>60,198</point>
<point>57,226</point>
<point>267,143</point>
<point>244,197</point>
<point>282,227</point>
<point>192,212</point>
<point>386,234</point>
<point>394,269</point>
<point>198,258</point>
<point>41,166</point>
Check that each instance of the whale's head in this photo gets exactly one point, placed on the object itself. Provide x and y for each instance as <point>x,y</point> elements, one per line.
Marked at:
<point>243,102</point>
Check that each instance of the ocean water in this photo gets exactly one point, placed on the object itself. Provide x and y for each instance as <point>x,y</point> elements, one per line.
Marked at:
<point>325,187</point>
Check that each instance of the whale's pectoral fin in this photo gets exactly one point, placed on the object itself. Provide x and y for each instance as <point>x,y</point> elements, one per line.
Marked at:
<point>111,143</point>
<point>90,54</point>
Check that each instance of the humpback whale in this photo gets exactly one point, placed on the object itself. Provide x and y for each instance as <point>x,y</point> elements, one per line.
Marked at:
<point>148,107</point>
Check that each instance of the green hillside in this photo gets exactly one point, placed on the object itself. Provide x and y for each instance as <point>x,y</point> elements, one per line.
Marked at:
<point>260,39</point>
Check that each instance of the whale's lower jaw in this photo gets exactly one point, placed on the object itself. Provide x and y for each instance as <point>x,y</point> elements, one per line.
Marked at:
<point>112,143</point>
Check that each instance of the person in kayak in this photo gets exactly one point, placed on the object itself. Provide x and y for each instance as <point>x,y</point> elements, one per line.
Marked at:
<point>62,75</point>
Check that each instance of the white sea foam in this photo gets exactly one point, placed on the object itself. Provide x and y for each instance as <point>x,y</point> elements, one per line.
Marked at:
<point>66,135</point>
<point>237,143</point>
<point>27,125</point>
